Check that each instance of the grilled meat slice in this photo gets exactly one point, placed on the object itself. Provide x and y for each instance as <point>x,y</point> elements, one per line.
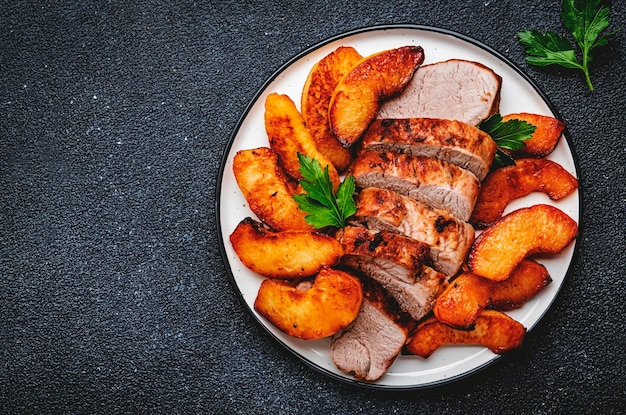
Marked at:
<point>401,256</point>
<point>448,238</point>
<point>454,141</point>
<point>371,343</point>
<point>455,89</point>
<point>437,183</point>
<point>416,299</point>
<point>413,285</point>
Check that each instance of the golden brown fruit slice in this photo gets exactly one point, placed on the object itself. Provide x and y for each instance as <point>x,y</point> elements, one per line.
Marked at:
<point>288,136</point>
<point>539,228</point>
<point>545,137</point>
<point>316,94</point>
<point>287,254</point>
<point>493,329</point>
<point>358,95</point>
<point>329,305</point>
<point>511,182</point>
<point>527,280</point>
<point>267,190</point>
<point>464,298</point>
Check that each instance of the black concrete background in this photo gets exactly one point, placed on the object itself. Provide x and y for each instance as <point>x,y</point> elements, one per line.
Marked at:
<point>113,296</point>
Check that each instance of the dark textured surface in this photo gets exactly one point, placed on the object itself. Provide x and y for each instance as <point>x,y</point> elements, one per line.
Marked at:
<point>113,294</point>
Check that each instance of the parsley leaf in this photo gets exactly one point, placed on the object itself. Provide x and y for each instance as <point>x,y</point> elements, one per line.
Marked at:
<point>585,20</point>
<point>324,208</point>
<point>548,49</point>
<point>509,135</point>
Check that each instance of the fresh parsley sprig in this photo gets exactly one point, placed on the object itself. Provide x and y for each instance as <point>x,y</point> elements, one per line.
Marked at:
<point>324,207</point>
<point>586,20</point>
<point>508,135</point>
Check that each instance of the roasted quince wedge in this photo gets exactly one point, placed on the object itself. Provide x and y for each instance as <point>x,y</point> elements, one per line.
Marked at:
<point>316,94</point>
<point>311,311</point>
<point>268,190</point>
<point>463,299</point>
<point>358,95</point>
<point>492,329</point>
<point>536,229</point>
<point>288,135</point>
<point>287,254</point>
<point>545,138</point>
<point>511,182</point>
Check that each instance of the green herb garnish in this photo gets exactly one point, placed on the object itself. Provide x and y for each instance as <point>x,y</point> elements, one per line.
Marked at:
<point>324,207</point>
<point>585,20</point>
<point>508,135</point>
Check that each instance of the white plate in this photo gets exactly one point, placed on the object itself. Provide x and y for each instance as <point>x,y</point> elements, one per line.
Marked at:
<point>519,94</point>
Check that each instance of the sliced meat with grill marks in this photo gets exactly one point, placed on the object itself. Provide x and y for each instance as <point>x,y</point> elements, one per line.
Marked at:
<point>437,183</point>
<point>454,141</point>
<point>416,299</point>
<point>455,89</point>
<point>371,343</point>
<point>415,295</point>
<point>448,238</point>
<point>400,255</point>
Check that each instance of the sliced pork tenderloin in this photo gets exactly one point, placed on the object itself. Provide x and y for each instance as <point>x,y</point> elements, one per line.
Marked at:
<point>437,183</point>
<point>453,141</point>
<point>415,295</point>
<point>455,89</point>
<point>400,255</point>
<point>372,342</point>
<point>416,299</point>
<point>447,237</point>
